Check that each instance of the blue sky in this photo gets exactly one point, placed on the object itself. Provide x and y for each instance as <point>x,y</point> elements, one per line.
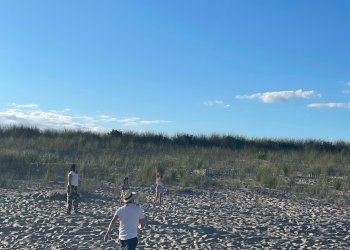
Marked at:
<point>266,69</point>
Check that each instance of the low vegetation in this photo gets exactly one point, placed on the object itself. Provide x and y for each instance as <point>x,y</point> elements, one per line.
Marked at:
<point>313,166</point>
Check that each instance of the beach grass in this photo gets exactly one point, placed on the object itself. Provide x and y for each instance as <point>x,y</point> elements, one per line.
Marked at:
<point>312,166</point>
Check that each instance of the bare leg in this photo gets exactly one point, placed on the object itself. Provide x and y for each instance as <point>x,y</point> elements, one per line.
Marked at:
<point>121,198</point>
<point>69,202</point>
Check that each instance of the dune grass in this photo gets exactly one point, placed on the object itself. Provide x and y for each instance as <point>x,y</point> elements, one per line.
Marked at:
<point>31,154</point>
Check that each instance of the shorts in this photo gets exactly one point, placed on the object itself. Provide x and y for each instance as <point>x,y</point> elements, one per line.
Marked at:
<point>159,189</point>
<point>129,244</point>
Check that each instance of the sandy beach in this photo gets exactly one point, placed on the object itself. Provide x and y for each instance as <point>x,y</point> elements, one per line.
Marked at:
<point>187,219</point>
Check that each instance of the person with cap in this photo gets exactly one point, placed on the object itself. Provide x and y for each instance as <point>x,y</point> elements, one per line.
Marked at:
<point>72,189</point>
<point>131,217</point>
<point>124,188</point>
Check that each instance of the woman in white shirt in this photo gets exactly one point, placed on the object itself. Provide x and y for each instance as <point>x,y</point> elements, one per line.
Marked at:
<point>72,190</point>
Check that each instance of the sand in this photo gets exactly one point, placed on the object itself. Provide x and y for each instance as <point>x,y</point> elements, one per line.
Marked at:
<point>187,219</point>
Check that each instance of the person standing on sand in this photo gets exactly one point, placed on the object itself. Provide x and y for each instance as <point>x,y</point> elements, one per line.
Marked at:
<point>130,217</point>
<point>159,187</point>
<point>72,189</point>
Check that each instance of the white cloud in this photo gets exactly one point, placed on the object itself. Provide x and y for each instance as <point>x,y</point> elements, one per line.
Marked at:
<point>280,96</point>
<point>330,105</point>
<point>25,105</point>
<point>135,121</point>
<point>216,103</point>
<point>40,119</point>
<point>346,91</point>
<point>60,111</point>
<point>32,115</point>
<point>107,118</point>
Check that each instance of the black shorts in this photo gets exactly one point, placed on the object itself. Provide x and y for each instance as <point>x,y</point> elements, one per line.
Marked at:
<point>129,244</point>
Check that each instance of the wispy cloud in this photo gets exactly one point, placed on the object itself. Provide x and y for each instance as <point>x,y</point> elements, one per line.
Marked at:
<point>135,121</point>
<point>280,96</point>
<point>347,91</point>
<point>40,119</point>
<point>15,105</point>
<point>107,118</point>
<point>216,103</point>
<point>330,105</point>
<point>129,121</point>
<point>61,111</point>
<point>32,115</point>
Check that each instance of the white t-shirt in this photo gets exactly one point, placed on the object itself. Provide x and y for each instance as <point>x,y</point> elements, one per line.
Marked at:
<point>129,216</point>
<point>74,180</point>
<point>159,180</point>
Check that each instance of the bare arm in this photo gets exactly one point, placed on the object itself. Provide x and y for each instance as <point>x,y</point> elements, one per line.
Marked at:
<point>70,180</point>
<point>110,227</point>
<point>141,223</point>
